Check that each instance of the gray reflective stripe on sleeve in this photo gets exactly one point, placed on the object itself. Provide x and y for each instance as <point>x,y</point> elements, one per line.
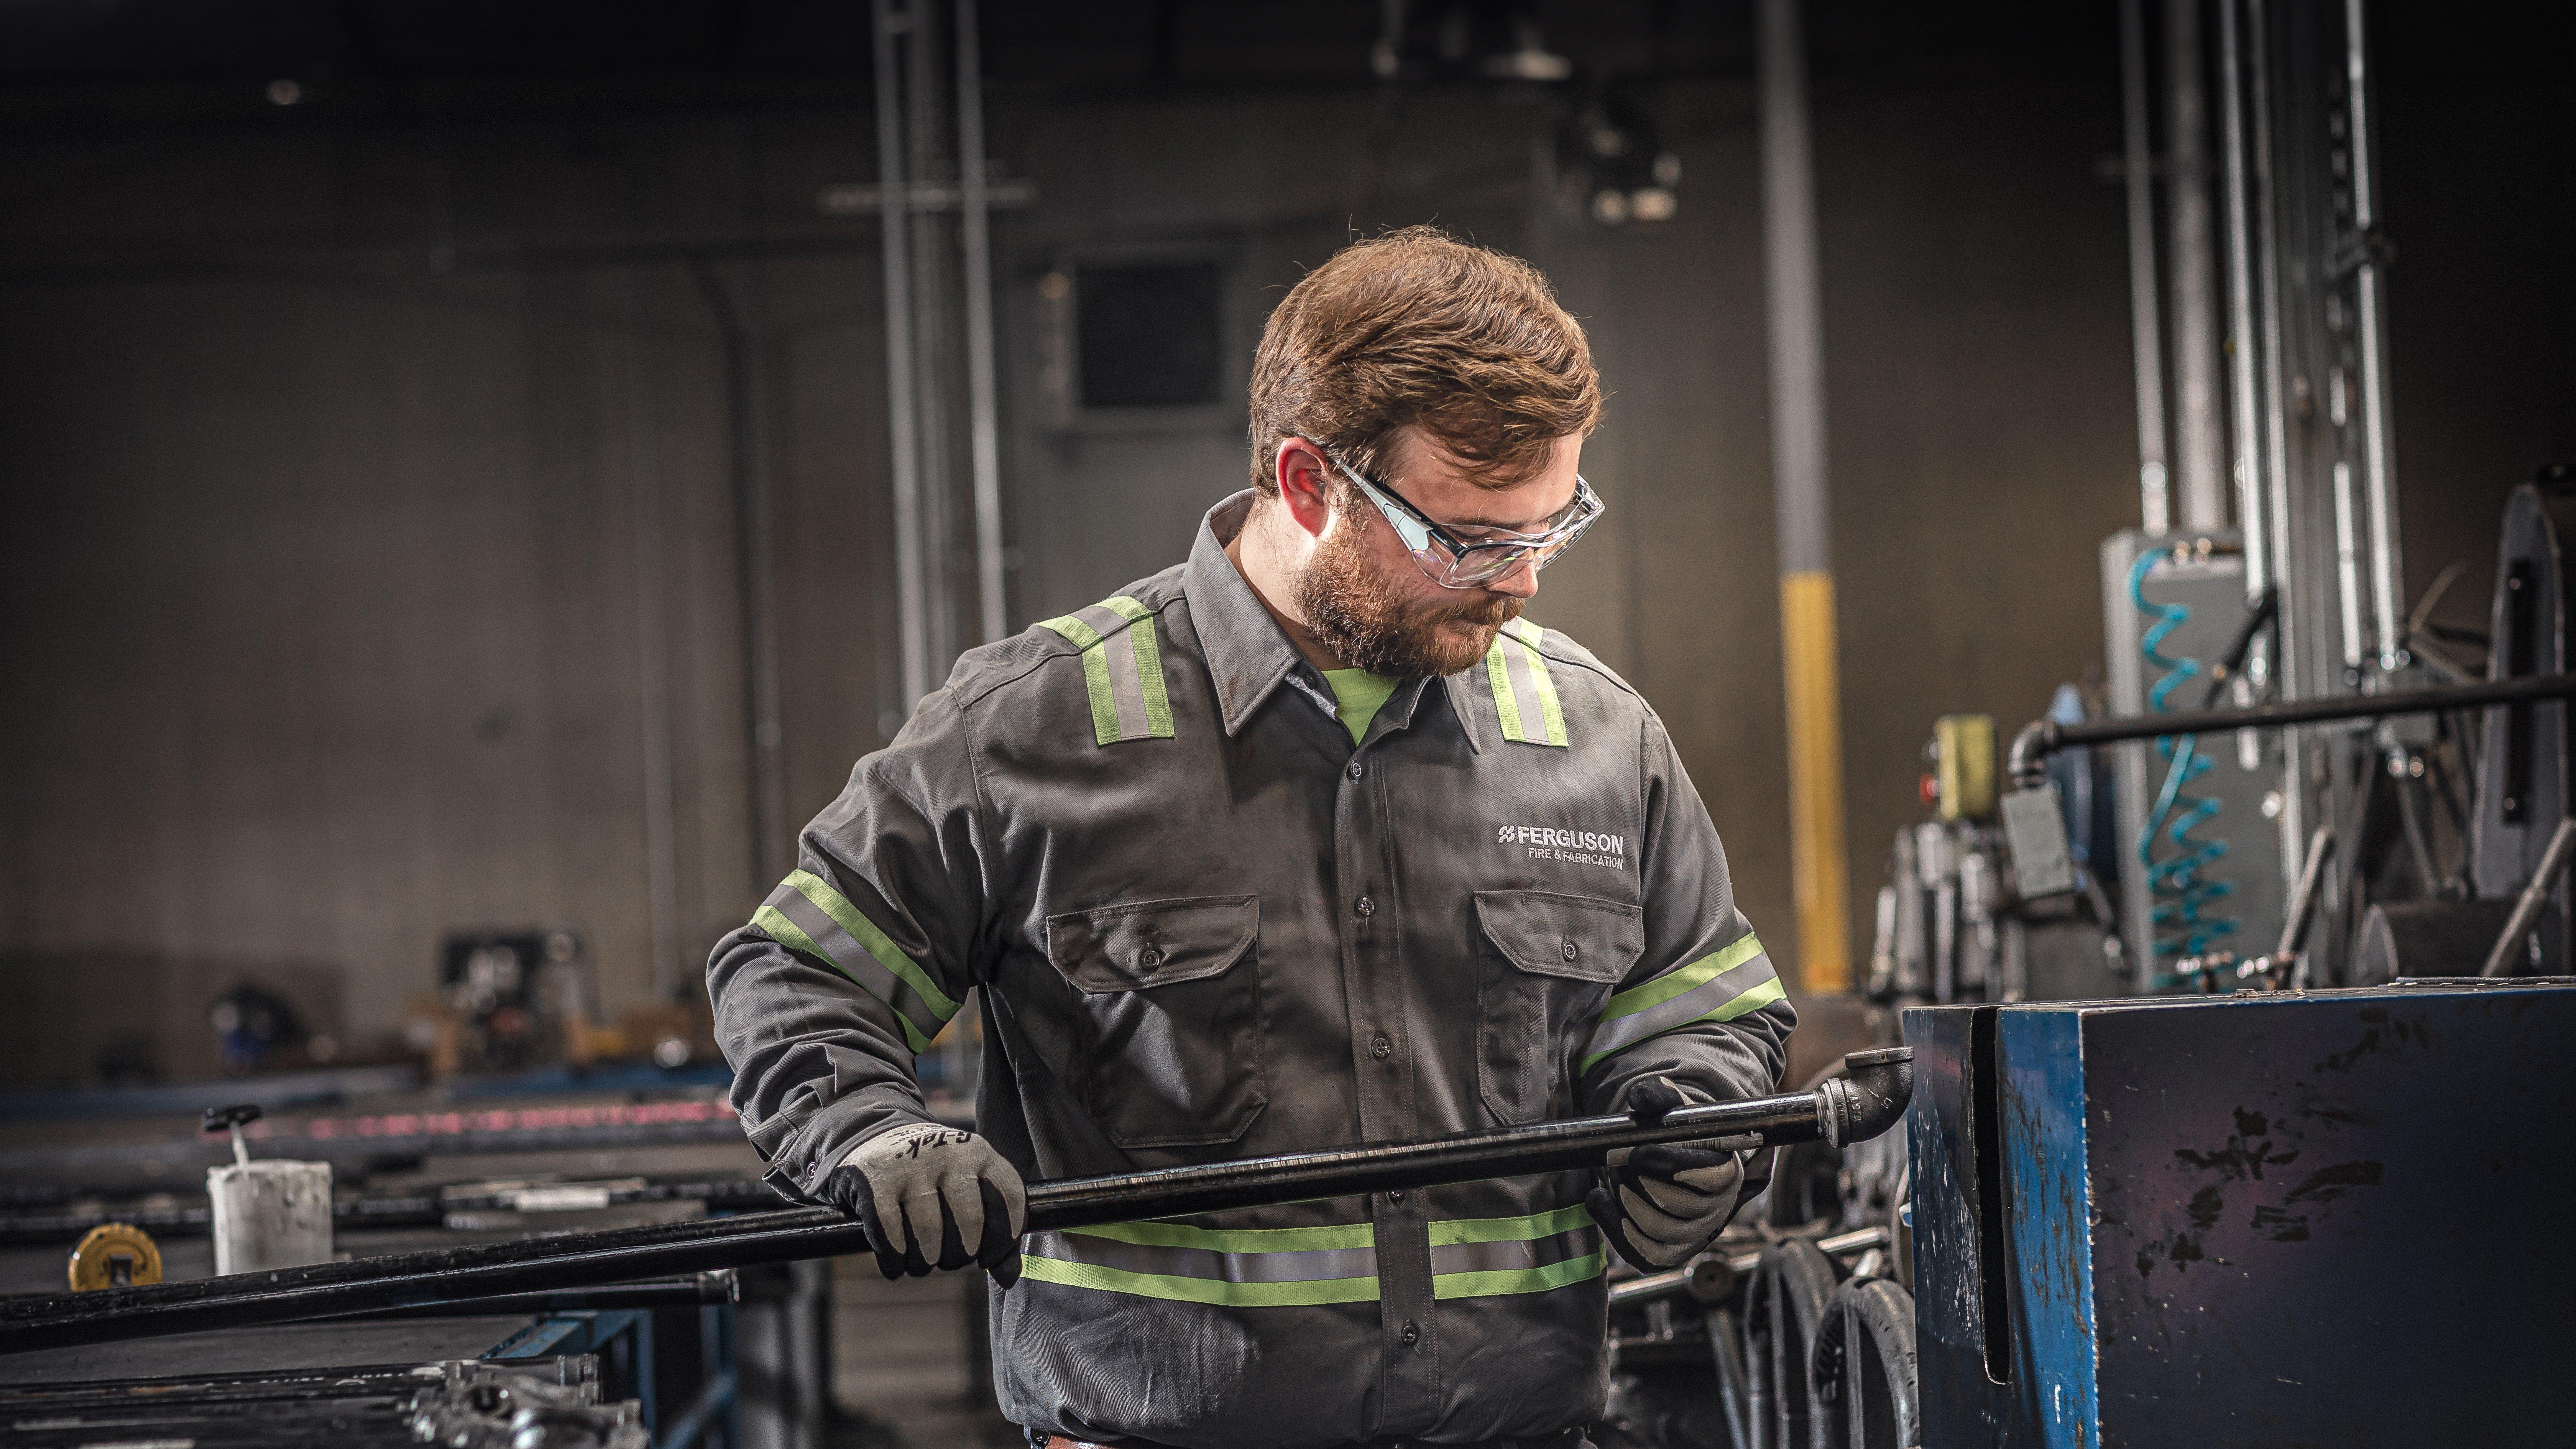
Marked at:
<point>806,914</point>
<point>1287,1267</point>
<point>1727,983</point>
<point>1122,669</point>
<point>1525,699</point>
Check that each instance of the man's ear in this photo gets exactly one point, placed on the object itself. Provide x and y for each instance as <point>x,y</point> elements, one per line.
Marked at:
<point>1305,478</point>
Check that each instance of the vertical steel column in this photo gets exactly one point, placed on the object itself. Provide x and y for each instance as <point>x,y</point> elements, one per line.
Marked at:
<point>653,660</point>
<point>982,406</point>
<point>2155,504</point>
<point>2245,399</point>
<point>2197,445</point>
<point>933,344</point>
<point>2291,575</point>
<point>893,183</point>
<point>1808,645</point>
<point>755,561</point>
<point>2378,470</point>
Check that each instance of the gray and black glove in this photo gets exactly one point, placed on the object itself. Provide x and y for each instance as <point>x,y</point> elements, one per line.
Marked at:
<point>1663,1202</point>
<point>933,1197</point>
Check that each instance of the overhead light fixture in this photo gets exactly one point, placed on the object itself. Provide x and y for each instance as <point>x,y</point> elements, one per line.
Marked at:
<point>1612,165</point>
<point>1481,39</point>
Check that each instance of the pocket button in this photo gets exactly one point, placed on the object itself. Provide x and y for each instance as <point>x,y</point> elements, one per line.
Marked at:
<point>1152,956</point>
<point>1569,948</point>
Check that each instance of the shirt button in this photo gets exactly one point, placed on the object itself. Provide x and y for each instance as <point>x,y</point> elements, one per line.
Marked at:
<point>1569,948</point>
<point>1358,769</point>
<point>1381,1047</point>
<point>1411,1334</point>
<point>1364,906</point>
<point>1396,1196</point>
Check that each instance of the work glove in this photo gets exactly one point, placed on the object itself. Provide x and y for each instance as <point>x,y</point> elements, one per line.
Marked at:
<point>933,1197</point>
<point>1663,1202</point>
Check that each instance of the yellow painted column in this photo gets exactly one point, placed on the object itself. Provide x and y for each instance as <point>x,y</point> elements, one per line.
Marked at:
<point>1796,326</point>
<point>1808,654</point>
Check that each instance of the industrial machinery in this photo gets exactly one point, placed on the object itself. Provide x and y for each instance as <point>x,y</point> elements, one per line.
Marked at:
<point>2243,1219</point>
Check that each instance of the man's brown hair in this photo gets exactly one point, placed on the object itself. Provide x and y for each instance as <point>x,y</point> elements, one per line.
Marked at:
<point>1417,328</point>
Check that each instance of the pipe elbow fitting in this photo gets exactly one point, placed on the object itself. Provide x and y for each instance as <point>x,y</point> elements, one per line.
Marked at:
<point>1869,1098</point>
<point>2027,764</point>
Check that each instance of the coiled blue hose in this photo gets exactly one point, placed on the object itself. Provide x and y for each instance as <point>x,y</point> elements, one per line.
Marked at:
<point>2182,892</point>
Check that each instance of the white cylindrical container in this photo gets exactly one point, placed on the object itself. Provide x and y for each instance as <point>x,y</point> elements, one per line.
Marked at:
<point>270,1214</point>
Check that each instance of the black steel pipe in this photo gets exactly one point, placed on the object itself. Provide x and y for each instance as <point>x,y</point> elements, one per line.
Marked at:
<point>698,1290</point>
<point>2041,738</point>
<point>1866,1103</point>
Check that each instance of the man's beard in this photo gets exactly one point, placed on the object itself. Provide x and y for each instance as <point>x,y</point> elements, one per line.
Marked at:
<point>1363,616</point>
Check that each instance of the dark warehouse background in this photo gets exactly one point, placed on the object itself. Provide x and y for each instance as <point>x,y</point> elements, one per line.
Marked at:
<point>370,565</point>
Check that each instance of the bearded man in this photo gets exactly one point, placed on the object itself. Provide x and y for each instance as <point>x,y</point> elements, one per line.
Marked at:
<point>1311,840</point>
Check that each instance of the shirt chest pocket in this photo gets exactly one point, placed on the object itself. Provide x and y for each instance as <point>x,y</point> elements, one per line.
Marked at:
<point>1550,961</point>
<point>1167,1017</point>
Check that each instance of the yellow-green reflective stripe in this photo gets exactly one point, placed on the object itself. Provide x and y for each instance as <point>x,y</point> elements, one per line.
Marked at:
<point>1496,1283</point>
<point>1095,676</point>
<point>1753,1000</point>
<point>1506,707</point>
<point>1234,1240</point>
<point>1550,712</point>
<point>1149,664</point>
<point>1213,1291</point>
<point>788,934</point>
<point>1673,983</point>
<point>1510,1230</point>
<point>875,942</point>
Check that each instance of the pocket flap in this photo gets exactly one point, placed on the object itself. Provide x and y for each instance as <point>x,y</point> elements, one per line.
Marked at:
<point>1152,943</point>
<point>1553,935</point>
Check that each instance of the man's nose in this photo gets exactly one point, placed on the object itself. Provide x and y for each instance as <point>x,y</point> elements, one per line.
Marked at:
<point>1520,583</point>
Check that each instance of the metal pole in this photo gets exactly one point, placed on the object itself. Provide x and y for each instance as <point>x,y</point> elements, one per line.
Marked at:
<point>755,559</point>
<point>911,611</point>
<point>2195,331</point>
<point>2293,585</point>
<point>1808,645</point>
<point>982,407</point>
<point>2146,330</point>
<point>2245,399</point>
<point>1861,1105</point>
<point>933,345</point>
<point>2535,896</point>
<point>2026,762</point>
<point>2348,569</point>
<point>2379,482</point>
<point>653,664</point>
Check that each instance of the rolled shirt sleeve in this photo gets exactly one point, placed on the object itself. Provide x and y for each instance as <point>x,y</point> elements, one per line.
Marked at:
<point>859,957</point>
<point>1703,1005</point>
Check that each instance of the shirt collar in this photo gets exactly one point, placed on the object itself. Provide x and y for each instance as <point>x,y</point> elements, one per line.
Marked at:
<point>1247,653</point>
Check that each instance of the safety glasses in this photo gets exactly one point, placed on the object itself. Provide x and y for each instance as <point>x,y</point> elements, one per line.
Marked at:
<point>1456,562</point>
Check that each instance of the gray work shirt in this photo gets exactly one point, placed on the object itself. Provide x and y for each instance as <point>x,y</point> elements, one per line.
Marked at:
<point>1206,927</point>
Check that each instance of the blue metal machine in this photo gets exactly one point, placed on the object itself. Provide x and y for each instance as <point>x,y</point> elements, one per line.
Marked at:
<point>2276,1219</point>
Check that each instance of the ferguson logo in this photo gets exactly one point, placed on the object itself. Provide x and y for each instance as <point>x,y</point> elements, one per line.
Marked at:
<point>1584,847</point>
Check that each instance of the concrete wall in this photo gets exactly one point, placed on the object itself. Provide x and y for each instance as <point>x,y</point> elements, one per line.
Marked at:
<point>335,470</point>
